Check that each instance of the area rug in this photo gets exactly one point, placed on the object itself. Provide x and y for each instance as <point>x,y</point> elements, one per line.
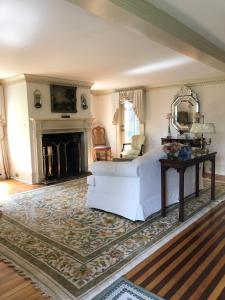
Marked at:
<point>69,248</point>
<point>123,289</point>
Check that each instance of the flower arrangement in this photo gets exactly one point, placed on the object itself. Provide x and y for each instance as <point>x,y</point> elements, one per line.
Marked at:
<point>172,149</point>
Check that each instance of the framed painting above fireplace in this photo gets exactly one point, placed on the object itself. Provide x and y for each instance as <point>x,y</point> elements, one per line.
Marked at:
<point>63,99</point>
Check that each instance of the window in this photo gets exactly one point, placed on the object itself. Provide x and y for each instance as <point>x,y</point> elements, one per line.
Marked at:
<point>131,122</point>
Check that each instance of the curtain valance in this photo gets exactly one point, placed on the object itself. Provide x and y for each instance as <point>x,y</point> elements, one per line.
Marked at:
<point>136,97</point>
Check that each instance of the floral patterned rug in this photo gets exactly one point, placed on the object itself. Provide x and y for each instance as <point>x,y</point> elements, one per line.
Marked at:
<point>51,231</point>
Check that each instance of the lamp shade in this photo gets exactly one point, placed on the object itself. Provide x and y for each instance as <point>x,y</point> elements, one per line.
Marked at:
<point>203,128</point>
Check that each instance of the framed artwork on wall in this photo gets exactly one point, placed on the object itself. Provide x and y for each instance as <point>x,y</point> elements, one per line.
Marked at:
<point>63,99</point>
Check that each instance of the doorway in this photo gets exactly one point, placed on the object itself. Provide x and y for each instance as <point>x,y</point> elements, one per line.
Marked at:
<point>130,125</point>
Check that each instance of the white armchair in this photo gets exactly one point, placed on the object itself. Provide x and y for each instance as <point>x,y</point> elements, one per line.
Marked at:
<point>137,147</point>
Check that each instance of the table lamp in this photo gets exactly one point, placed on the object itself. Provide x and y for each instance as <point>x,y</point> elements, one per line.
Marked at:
<point>201,128</point>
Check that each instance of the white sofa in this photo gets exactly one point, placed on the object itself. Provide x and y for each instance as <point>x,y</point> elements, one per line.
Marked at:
<point>133,189</point>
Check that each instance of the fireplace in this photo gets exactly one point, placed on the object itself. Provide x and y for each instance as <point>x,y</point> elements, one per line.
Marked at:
<point>63,155</point>
<point>61,148</point>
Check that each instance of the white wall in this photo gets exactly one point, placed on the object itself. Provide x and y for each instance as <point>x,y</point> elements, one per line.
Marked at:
<point>158,104</point>
<point>18,131</point>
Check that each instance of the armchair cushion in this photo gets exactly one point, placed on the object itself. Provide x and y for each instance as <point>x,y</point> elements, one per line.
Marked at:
<point>137,142</point>
<point>130,153</point>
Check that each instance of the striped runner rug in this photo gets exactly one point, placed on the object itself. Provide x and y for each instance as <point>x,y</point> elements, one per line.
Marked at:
<point>190,266</point>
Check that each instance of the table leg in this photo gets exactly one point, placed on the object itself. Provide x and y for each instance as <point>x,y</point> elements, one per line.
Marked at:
<point>213,179</point>
<point>197,180</point>
<point>163,192</point>
<point>181,195</point>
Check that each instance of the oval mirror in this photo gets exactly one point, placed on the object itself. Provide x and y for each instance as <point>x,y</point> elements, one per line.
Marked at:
<point>184,108</point>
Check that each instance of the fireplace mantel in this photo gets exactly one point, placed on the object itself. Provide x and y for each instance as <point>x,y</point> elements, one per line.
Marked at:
<point>61,124</point>
<point>38,127</point>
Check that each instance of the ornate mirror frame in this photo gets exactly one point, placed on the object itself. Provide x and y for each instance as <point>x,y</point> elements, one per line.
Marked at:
<point>185,95</point>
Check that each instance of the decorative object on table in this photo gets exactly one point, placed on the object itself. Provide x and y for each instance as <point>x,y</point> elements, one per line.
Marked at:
<point>172,150</point>
<point>83,99</point>
<point>203,128</point>
<point>183,108</point>
<point>37,99</point>
<point>193,142</point>
<point>63,99</point>
<point>169,117</point>
<point>185,152</point>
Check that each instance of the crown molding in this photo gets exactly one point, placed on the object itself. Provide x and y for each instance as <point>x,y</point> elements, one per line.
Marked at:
<point>145,18</point>
<point>45,79</point>
<point>13,79</point>
<point>102,92</point>
<point>191,83</point>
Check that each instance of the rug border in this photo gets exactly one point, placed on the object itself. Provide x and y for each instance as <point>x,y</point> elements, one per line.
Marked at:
<point>121,280</point>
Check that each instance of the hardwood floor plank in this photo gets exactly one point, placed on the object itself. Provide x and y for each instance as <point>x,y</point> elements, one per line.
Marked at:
<point>181,238</point>
<point>177,251</point>
<point>217,266</point>
<point>181,268</point>
<point>217,291</point>
<point>184,260</point>
<point>191,265</point>
<point>178,255</point>
<point>198,273</point>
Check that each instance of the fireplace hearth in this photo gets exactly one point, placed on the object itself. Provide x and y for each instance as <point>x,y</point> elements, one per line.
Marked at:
<point>62,155</point>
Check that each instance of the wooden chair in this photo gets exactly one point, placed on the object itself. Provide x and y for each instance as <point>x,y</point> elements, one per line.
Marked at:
<point>99,144</point>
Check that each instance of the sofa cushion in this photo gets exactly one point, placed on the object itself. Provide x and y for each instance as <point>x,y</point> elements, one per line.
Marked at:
<point>110,168</point>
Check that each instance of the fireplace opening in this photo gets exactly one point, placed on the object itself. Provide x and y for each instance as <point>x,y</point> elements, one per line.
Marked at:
<point>63,155</point>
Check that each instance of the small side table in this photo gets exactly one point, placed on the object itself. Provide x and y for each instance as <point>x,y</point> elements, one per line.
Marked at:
<point>180,166</point>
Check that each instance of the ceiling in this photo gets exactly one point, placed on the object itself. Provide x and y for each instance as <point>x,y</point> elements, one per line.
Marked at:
<point>206,17</point>
<point>57,38</point>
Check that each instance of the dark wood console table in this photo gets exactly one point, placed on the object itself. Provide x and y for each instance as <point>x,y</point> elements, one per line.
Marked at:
<point>180,166</point>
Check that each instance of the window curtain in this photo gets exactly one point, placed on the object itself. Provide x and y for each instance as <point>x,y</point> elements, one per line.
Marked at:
<point>136,97</point>
<point>4,163</point>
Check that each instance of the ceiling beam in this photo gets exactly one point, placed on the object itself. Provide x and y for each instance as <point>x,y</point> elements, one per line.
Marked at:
<point>146,19</point>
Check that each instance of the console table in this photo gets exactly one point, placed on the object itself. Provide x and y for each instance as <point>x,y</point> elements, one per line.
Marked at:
<point>180,166</point>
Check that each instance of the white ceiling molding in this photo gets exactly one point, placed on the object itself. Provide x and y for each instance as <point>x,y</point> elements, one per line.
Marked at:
<point>102,92</point>
<point>45,79</point>
<point>142,17</point>
<point>192,83</point>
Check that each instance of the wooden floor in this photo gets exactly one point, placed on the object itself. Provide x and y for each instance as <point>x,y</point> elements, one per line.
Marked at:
<point>190,266</point>
<point>11,186</point>
<point>12,285</point>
